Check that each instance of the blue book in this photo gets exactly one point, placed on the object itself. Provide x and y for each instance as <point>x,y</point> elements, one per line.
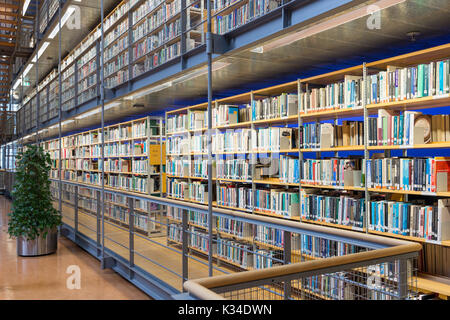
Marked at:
<point>441,77</point>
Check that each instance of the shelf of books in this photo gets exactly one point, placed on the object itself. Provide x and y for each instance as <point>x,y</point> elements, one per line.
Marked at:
<point>116,209</point>
<point>315,151</point>
<point>133,153</point>
<point>231,14</point>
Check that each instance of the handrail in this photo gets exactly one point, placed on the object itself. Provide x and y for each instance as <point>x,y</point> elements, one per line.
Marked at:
<point>202,288</point>
<point>374,241</point>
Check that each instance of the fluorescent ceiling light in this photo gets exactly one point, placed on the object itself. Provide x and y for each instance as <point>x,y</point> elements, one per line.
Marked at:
<point>28,68</point>
<point>204,70</point>
<point>67,122</point>
<point>18,81</point>
<point>151,90</point>
<point>112,105</point>
<point>257,50</point>
<point>25,6</point>
<point>64,19</point>
<point>41,51</point>
<point>87,114</point>
<point>330,23</point>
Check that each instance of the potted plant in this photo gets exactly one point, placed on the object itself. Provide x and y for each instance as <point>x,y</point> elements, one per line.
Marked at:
<point>33,220</point>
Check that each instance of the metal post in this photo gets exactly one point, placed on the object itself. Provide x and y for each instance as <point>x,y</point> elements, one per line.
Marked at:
<point>37,73</point>
<point>76,210</point>
<point>366,151</point>
<point>403,279</point>
<point>287,260</point>
<point>184,245</point>
<point>300,152</point>
<point>209,51</point>
<point>99,216</point>
<point>59,108</point>
<point>131,235</point>
<point>102,100</point>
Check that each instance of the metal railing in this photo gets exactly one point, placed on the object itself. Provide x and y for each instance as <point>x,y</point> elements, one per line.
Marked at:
<point>382,274</point>
<point>166,241</point>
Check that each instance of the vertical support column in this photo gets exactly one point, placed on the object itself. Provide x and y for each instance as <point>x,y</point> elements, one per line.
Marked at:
<point>100,232</point>
<point>161,152</point>
<point>130,48</point>
<point>76,210</point>
<point>59,107</point>
<point>253,155</point>
<point>366,151</point>
<point>209,52</point>
<point>184,246</point>
<point>300,152</point>
<point>102,100</point>
<point>131,236</point>
<point>403,279</point>
<point>287,260</point>
<point>183,33</point>
<point>37,72</point>
<point>75,77</point>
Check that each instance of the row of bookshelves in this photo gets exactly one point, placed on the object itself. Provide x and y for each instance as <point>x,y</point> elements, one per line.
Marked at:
<point>262,144</point>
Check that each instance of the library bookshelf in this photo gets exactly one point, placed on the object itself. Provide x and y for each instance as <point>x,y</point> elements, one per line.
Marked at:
<point>134,153</point>
<point>351,97</point>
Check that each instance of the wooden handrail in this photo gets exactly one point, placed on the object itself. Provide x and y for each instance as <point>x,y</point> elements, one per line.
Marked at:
<point>201,288</point>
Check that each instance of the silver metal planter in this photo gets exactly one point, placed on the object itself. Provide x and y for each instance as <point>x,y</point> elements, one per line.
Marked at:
<point>39,246</point>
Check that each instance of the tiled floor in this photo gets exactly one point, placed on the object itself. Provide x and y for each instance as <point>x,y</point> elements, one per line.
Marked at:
<point>46,278</point>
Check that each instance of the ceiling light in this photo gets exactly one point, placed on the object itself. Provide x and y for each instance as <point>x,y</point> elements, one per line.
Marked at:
<point>192,75</point>
<point>112,105</point>
<point>28,68</point>
<point>67,122</point>
<point>151,90</point>
<point>258,50</point>
<point>87,114</point>
<point>41,51</point>
<point>63,21</point>
<point>330,23</point>
<point>25,6</point>
<point>18,81</point>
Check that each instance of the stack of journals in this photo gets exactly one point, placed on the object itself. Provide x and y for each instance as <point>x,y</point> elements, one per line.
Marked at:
<point>395,84</point>
<point>326,135</point>
<point>139,129</point>
<point>195,191</point>
<point>175,213</point>
<point>177,123</point>
<point>334,172</point>
<point>198,218</point>
<point>282,106</point>
<point>232,141</point>
<point>236,252</point>
<point>236,169</point>
<point>405,219</point>
<point>234,227</point>
<point>289,169</point>
<point>232,196</point>
<point>270,236</point>
<point>198,239</point>
<point>278,201</point>
<point>345,94</point>
<point>198,119</point>
<point>267,258</point>
<point>175,232</point>
<point>178,167</point>
<point>224,115</point>
<point>343,210</point>
<point>409,174</point>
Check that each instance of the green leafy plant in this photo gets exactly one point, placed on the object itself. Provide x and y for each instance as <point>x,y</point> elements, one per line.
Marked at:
<point>32,213</point>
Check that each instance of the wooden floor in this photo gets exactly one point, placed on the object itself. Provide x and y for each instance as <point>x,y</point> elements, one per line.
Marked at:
<point>165,263</point>
<point>45,278</point>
